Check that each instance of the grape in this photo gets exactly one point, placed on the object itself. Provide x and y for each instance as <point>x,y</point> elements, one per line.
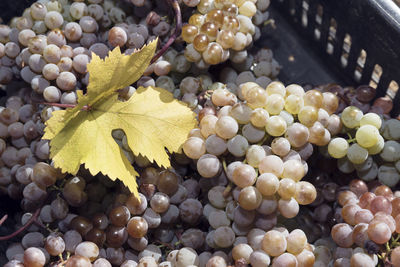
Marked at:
<point>87,249</point>
<point>152,218</point>
<point>271,164</point>
<point>357,154</point>
<point>190,211</point>
<point>297,134</point>
<point>390,151</point>
<point>207,125</point>
<point>274,243</point>
<point>215,261</point>
<point>34,257</point>
<point>73,31</point>
<point>53,20</point>
<point>367,136</point>
<point>237,145</point>
<point>388,175</point>
<point>52,94</point>
<point>250,198</point>
<point>226,127</point>
<point>308,115</point>
<point>267,184</point>
<point>351,117</point>
<point>216,197</point>
<point>77,260</point>
<point>215,145</point>
<point>186,256</point>
<point>242,251</point>
<point>244,175</point>
<point>287,188</point>
<point>208,165</point>
<point>159,202</point>
<point>285,260</point>
<point>254,155</point>
<point>338,147</point>
<point>224,237</point>
<point>119,216</point>
<point>72,238</point>
<point>168,182</point>
<point>101,262</point>
<point>288,208</point>
<point>34,239</point>
<point>276,126</point>
<point>390,129</point>
<point>342,235</point>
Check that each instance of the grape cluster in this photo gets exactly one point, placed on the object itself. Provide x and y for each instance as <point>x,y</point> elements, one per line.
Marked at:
<point>370,220</point>
<point>221,28</point>
<point>51,44</point>
<point>374,152</point>
<point>271,143</point>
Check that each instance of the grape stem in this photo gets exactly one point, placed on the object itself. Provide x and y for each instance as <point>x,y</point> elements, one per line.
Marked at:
<point>3,219</point>
<point>175,34</point>
<point>24,227</point>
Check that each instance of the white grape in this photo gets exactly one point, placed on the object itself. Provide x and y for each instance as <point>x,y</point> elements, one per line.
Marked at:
<point>338,147</point>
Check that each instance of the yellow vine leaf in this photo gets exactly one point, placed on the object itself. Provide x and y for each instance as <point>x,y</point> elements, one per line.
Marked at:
<point>151,119</point>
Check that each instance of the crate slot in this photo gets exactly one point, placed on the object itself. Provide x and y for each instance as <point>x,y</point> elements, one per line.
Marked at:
<point>319,12</point>
<point>360,65</point>
<point>392,89</point>
<point>304,17</point>
<point>376,76</point>
<point>331,36</point>
<point>346,50</point>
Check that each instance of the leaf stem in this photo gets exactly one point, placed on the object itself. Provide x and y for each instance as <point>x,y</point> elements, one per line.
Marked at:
<point>25,226</point>
<point>175,34</point>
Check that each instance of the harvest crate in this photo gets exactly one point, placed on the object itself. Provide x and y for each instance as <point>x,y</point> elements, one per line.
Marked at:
<point>347,42</point>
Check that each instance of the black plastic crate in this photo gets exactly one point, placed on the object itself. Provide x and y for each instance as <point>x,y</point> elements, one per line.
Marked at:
<point>343,41</point>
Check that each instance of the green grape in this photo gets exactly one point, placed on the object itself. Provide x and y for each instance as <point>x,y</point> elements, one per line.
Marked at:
<point>351,117</point>
<point>367,136</point>
<point>338,147</point>
<point>371,119</point>
<point>276,126</point>
<point>275,104</point>
<point>377,148</point>
<point>293,104</point>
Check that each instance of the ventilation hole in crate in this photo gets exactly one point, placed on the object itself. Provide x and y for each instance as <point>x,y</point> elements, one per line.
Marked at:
<point>376,76</point>
<point>292,7</point>
<point>360,65</point>
<point>392,89</point>
<point>304,18</point>
<point>318,16</point>
<point>331,36</point>
<point>318,20</point>
<point>346,50</point>
<point>332,30</point>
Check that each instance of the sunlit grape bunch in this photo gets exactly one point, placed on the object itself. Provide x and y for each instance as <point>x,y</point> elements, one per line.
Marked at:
<point>268,146</point>
<point>219,29</point>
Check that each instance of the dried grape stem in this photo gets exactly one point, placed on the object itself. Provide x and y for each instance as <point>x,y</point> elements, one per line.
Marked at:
<point>175,34</point>
<point>24,227</point>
